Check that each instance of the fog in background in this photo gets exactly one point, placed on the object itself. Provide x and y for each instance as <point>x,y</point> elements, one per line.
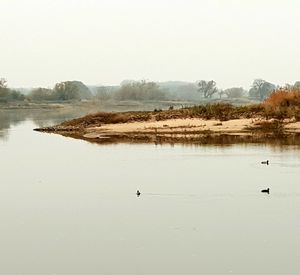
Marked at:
<point>43,42</point>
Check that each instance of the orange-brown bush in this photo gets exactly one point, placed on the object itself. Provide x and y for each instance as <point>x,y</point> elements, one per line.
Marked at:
<point>284,98</point>
<point>284,103</point>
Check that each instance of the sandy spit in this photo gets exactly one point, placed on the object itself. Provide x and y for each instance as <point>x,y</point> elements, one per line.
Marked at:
<point>173,126</point>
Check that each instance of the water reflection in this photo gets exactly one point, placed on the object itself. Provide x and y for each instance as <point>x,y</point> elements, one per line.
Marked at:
<point>51,116</point>
<point>276,142</point>
<point>40,117</point>
<point>8,119</point>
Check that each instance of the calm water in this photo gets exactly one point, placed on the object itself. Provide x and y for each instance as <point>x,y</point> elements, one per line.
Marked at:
<point>69,207</point>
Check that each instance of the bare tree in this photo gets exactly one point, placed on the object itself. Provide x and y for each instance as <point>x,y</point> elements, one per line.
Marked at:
<point>261,89</point>
<point>207,88</point>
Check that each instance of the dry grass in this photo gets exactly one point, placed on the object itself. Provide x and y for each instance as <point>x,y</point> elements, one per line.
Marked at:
<point>284,98</point>
<point>108,118</point>
<point>225,112</point>
<point>283,103</point>
<point>214,111</point>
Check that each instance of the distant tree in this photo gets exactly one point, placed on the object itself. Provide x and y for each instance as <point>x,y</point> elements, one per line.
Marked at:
<point>16,96</point>
<point>261,89</point>
<point>221,93</point>
<point>71,90</point>
<point>103,93</point>
<point>297,84</point>
<point>207,88</point>
<point>188,91</point>
<point>180,90</point>
<point>66,91</point>
<point>257,88</point>
<point>4,91</point>
<point>7,95</point>
<point>234,92</point>
<point>140,90</point>
<point>41,94</point>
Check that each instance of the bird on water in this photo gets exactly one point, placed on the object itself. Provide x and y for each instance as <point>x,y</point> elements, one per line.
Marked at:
<point>266,190</point>
<point>138,193</point>
<point>265,162</point>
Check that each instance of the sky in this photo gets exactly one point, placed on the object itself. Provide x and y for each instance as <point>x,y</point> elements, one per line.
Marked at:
<point>43,42</point>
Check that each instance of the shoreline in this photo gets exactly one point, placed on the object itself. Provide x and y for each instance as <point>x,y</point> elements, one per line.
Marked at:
<point>183,130</point>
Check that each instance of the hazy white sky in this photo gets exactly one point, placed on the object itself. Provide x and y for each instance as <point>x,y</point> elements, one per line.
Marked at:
<point>106,41</point>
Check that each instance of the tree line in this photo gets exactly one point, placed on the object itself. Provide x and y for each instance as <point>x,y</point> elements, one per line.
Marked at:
<point>7,95</point>
<point>260,89</point>
<point>139,91</point>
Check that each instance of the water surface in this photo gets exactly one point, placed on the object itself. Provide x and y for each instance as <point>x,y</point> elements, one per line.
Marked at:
<point>69,207</point>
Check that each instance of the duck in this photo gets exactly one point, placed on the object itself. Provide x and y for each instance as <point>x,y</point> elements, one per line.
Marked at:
<point>266,190</point>
<point>265,162</point>
<point>138,193</point>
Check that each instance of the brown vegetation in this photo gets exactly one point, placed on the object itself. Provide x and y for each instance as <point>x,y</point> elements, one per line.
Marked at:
<point>214,111</point>
<point>284,103</point>
<point>269,118</point>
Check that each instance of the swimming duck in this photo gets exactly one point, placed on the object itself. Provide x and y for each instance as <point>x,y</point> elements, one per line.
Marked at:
<point>266,190</point>
<point>138,193</point>
<point>265,162</point>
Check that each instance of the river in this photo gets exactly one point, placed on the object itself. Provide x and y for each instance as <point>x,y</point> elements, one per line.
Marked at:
<point>70,207</point>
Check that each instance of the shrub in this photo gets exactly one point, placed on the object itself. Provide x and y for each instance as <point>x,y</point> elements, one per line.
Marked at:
<point>284,103</point>
<point>283,98</point>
